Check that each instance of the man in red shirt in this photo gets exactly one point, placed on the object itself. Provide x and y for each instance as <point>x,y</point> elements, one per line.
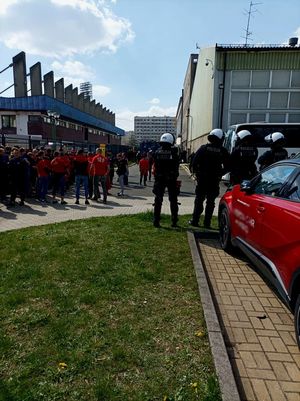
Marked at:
<point>144,167</point>
<point>99,169</point>
<point>43,171</point>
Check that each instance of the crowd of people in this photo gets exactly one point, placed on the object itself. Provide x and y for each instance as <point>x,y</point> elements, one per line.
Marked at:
<point>35,173</point>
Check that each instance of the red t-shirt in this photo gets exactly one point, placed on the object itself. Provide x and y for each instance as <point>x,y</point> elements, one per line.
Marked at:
<point>99,165</point>
<point>43,167</point>
<point>59,165</point>
<point>144,166</point>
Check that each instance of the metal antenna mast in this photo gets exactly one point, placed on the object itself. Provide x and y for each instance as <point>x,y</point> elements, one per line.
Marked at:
<point>249,13</point>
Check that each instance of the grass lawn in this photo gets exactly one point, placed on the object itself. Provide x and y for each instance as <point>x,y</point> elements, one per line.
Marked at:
<point>102,309</point>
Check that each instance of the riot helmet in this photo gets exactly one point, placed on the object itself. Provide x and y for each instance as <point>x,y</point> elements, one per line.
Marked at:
<point>167,139</point>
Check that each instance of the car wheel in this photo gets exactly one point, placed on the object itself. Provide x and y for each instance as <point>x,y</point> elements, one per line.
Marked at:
<point>225,231</point>
<point>297,320</point>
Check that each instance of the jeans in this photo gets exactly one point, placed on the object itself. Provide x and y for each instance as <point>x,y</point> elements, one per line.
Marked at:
<point>121,182</point>
<point>58,184</point>
<point>42,187</point>
<point>96,180</point>
<point>82,179</point>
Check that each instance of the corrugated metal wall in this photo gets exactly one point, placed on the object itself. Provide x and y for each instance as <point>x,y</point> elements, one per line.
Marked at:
<point>262,60</point>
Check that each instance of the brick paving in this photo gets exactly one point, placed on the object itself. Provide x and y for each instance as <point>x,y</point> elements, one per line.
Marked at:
<point>258,329</point>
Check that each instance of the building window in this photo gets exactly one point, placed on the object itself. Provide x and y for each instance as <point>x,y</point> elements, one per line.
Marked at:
<point>277,118</point>
<point>294,118</point>
<point>8,121</point>
<point>295,79</point>
<point>295,100</point>
<point>260,79</point>
<point>238,118</point>
<point>34,118</point>
<point>240,79</point>
<point>239,100</point>
<point>258,100</point>
<point>280,79</point>
<point>257,117</point>
<point>279,100</point>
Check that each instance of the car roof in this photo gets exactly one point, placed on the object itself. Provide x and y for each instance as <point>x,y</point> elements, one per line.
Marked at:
<point>290,161</point>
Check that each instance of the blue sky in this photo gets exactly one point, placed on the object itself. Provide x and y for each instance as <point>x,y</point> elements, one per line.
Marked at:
<point>134,52</point>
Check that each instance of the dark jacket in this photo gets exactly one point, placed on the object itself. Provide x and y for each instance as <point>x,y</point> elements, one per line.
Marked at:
<point>166,163</point>
<point>210,162</point>
<point>272,156</point>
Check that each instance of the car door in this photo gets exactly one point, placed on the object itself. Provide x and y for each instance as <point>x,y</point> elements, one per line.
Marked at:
<point>250,208</point>
<point>280,231</point>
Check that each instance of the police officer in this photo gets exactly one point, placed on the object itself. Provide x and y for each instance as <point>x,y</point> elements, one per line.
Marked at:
<point>166,171</point>
<point>277,151</point>
<point>209,163</point>
<point>243,158</point>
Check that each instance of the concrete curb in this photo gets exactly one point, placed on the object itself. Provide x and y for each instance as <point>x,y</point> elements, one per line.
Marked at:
<point>223,367</point>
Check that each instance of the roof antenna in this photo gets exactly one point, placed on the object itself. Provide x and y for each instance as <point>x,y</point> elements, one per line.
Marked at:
<point>249,13</point>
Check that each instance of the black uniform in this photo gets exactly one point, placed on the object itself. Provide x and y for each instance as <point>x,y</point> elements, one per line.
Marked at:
<point>272,156</point>
<point>242,163</point>
<point>166,164</point>
<point>209,164</point>
<point>18,168</point>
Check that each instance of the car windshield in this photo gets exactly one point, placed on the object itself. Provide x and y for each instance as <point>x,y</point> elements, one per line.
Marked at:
<point>272,180</point>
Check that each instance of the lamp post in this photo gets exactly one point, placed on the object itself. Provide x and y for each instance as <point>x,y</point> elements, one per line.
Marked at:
<point>54,116</point>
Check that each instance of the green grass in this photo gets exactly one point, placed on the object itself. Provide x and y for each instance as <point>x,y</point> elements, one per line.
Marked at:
<point>114,299</point>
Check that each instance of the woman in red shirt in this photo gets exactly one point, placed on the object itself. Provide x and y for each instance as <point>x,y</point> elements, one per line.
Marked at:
<point>59,168</point>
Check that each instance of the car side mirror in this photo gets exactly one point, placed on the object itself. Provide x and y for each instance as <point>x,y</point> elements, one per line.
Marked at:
<point>246,186</point>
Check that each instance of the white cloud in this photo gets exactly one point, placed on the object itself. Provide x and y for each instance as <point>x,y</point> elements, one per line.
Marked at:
<point>73,68</point>
<point>75,72</point>
<point>155,100</point>
<point>125,118</point>
<point>100,91</point>
<point>57,28</point>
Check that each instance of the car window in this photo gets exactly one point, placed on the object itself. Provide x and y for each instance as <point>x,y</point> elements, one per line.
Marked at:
<point>271,181</point>
<point>294,191</point>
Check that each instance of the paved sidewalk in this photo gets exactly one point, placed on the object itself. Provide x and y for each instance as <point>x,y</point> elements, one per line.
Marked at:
<point>258,328</point>
<point>137,200</point>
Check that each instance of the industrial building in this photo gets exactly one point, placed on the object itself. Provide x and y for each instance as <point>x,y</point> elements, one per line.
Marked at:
<point>231,84</point>
<point>151,128</point>
<point>51,114</point>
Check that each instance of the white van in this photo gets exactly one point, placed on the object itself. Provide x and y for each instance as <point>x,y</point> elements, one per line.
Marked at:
<point>291,131</point>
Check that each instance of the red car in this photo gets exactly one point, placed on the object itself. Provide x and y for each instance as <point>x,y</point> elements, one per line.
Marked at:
<point>262,218</point>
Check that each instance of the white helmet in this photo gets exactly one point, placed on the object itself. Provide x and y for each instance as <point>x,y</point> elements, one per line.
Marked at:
<point>167,138</point>
<point>276,136</point>
<point>217,132</point>
<point>243,134</point>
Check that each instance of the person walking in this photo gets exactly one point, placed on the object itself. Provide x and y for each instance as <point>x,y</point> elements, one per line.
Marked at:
<point>99,170</point>
<point>166,171</point>
<point>209,163</point>
<point>144,168</point>
<point>121,171</point>
<point>80,163</point>
<point>277,151</point>
<point>243,158</point>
